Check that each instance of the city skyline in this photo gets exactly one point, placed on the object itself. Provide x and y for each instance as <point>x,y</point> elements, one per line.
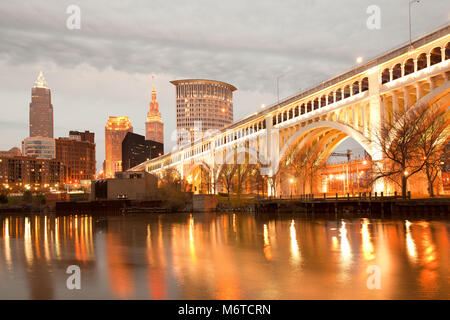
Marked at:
<point>81,85</point>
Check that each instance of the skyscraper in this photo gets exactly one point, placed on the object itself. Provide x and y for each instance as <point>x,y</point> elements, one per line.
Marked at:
<point>205,103</point>
<point>115,130</point>
<point>136,149</point>
<point>154,128</point>
<point>41,109</point>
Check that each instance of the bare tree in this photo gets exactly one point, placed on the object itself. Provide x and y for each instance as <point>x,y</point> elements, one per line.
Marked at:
<point>170,177</point>
<point>243,173</point>
<point>398,142</point>
<point>431,143</point>
<point>306,165</point>
<point>226,174</point>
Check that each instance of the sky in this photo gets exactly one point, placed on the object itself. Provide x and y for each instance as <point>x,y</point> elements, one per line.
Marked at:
<point>108,66</point>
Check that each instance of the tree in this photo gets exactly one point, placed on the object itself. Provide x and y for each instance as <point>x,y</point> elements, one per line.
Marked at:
<point>431,143</point>
<point>226,174</point>
<point>243,172</point>
<point>170,190</point>
<point>397,140</point>
<point>306,165</point>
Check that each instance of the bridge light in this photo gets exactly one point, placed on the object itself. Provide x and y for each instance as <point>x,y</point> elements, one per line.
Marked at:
<point>263,106</point>
<point>359,60</point>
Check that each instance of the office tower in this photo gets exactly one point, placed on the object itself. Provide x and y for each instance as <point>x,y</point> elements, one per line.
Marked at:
<point>41,109</point>
<point>136,149</point>
<point>206,104</point>
<point>154,128</point>
<point>115,130</point>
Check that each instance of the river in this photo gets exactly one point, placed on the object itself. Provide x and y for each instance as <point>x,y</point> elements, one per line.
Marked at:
<point>223,256</point>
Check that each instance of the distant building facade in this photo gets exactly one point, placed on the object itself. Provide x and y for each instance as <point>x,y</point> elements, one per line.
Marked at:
<point>41,109</point>
<point>82,136</point>
<point>136,149</point>
<point>39,147</point>
<point>205,103</point>
<point>77,153</point>
<point>24,171</point>
<point>13,152</point>
<point>126,185</point>
<point>154,127</point>
<point>115,130</point>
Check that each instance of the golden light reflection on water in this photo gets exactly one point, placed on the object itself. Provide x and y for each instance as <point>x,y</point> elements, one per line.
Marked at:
<point>295,251</point>
<point>346,251</point>
<point>223,256</point>
<point>191,240</point>
<point>27,242</point>
<point>368,249</point>
<point>267,248</point>
<point>7,247</point>
<point>410,244</point>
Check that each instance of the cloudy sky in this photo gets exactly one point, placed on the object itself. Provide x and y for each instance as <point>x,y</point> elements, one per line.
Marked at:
<point>106,67</point>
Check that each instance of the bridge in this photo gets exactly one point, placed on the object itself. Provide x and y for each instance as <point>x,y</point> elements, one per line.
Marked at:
<point>352,104</point>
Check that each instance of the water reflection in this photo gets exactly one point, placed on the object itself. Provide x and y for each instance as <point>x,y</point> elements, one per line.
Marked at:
<point>267,248</point>
<point>221,256</point>
<point>368,249</point>
<point>346,251</point>
<point>410,244</point>
<point>295,251</point>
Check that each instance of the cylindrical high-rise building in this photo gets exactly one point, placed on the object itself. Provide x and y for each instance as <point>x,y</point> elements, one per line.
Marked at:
<point>41,109</point>
<point>203,105</point>
<point>115,130</point>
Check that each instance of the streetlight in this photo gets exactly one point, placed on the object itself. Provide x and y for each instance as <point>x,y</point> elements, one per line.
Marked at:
<point>291,182</point>
<point>278,87</point>
<point>359,60</point>
<point>409,19</point>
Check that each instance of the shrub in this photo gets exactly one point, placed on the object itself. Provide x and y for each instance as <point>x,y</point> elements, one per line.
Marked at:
<point>27,197</point>
<point>3,199</point>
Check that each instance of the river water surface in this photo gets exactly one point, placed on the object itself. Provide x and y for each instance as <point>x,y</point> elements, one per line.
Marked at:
<point>223,256</point>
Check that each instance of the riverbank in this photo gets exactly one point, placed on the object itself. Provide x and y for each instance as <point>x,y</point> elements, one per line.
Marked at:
<point>380,206</point>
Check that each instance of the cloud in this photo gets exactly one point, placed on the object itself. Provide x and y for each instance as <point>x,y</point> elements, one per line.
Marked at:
<point>104,68</point>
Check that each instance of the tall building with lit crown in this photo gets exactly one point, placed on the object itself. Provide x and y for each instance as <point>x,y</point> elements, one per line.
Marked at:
<point>204,103</point>
<point>115,130</point>
<point>41,109</point>
<point>154,127</point>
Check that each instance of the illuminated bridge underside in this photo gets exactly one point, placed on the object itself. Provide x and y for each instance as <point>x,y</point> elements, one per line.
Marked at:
<point>350,105</point>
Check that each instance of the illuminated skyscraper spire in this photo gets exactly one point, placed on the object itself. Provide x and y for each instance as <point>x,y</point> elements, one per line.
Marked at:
<point>153,125</point>
<point>154,106</point>
<point>40,81</point>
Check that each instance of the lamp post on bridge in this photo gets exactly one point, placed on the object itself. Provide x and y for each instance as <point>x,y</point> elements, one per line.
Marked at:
<point>278,87</point>
<point>409,20</point>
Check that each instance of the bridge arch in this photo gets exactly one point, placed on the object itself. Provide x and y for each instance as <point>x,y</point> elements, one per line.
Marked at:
<point>195,165</point>
<point>434,95</point>
<point>314,129</point>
